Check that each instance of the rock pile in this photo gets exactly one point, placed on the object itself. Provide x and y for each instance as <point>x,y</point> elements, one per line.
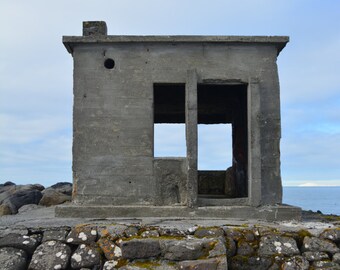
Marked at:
<point>138,247</point>
<point>13,197</point>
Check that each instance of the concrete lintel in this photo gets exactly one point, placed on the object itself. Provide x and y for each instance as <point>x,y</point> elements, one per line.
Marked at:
<point>278,41</point>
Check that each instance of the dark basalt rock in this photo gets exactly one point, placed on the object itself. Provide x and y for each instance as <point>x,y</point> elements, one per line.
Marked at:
<point>12,259</point>
<point>50,255</point>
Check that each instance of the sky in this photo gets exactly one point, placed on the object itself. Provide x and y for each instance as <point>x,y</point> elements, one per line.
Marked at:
<point>36,79</point>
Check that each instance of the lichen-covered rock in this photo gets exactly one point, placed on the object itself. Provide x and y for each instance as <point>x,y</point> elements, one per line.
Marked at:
<point>109,248</point>
<point>131,231</point>
<point>325,265</point>
<point>55,234</point>
<point>86,256</point>
<point>189,249</point>
<point>250,263</point>
<point>234,234</point>
<point>171,232</point>
<point>209,264</point>
<point>140,248</point>
<point>245,248</point>
<point>110,265</point>
<point>12,259</point>
<point>331,234</point>
<point>147,265</point>
<point>296,262</point>
<point>209,232</point>
<point>317,244</point>
<point>82,235</point>
<point>27,243</point>
<point>52,197</point>
<point>274,244</point>
<point>336,258</point>
<point>218,248</point>
<point>312,256</point>
<point>50,255</point>
<point>150,233</point>
<point>231,246</point>
<point>112,231</point>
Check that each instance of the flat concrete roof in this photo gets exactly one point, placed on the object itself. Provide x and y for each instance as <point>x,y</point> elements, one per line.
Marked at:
<point>278,41</point>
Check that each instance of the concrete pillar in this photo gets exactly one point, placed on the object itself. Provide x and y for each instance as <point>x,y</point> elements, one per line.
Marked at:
<point>191,136</point>
<point>254,145</point>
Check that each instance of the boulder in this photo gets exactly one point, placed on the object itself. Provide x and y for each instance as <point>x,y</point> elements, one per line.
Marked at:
<point>82,235</point>
<point>131,231</point>
<point>312,256</point>
<point>50,255</point>
<point>140,248</point>
<point>209,232</point>
<point>331,234</point>
<point>275,244</point>
<point>317,244</point>
<point>27,243</point>
<point>109,248</point>
<point>12,259</point>
<point>253,262</point>
<point>325,265</point>
<point>296,262</point>
<point>5,210</point>
<point>86,256</point>
<point>52,197</point>
<point>55,234</point>
<point>63,187</point>
<point>16,196</point>
<point>188,249</point>
<point>336,258</point>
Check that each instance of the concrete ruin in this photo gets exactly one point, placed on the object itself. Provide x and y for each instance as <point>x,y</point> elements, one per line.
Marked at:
<point>124,85</point>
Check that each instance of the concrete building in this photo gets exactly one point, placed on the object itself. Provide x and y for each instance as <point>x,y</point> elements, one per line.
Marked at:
<point>124,85</point>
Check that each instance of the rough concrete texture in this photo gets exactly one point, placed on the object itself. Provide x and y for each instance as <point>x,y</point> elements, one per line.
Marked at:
<point>113,118</point>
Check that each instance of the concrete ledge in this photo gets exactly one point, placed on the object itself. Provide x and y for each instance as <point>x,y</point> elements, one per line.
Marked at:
<point>268,213</point>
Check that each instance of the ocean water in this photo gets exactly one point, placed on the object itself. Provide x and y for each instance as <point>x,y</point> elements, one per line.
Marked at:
<point>324,199</point>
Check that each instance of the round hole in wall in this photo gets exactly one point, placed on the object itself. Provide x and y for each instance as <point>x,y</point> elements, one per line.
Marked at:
<point>109,63</point>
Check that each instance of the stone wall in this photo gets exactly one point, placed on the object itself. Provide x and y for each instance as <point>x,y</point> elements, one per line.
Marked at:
<point>137,247</point>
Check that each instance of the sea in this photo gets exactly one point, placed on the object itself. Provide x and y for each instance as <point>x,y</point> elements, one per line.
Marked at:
<point>324,199</point>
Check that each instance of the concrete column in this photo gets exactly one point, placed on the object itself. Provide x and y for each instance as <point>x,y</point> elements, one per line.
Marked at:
<point>191,136</point>
<point>254,144</point>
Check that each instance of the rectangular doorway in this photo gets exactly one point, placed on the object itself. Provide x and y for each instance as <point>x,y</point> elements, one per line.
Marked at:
<point>223,105</point>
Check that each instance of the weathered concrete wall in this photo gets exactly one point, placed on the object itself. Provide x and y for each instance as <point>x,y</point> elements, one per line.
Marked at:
<point>113,111</point>
<point>171,175</point>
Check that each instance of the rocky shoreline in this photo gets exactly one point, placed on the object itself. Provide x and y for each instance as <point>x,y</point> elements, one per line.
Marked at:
<point>15,198</point>
<point>34,239</point>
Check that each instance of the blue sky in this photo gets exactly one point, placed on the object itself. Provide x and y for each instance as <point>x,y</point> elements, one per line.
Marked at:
<point>36,77</point>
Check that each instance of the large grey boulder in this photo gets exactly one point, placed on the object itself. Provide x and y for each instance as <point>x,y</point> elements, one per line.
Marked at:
<point>63,187</point>
<point>12,259</point>
<point>86,256</point>
<point>53,197</point>
<point>317,244</point>
<point>50,255</point>
<point>140,248</point>
<point>275,244</point>
<point>15,196</point>
<point>27,243</point>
